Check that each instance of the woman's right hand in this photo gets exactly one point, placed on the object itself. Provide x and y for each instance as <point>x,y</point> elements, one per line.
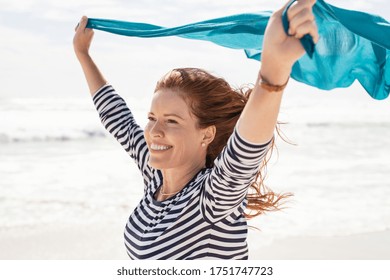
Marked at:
<point>82,38</point>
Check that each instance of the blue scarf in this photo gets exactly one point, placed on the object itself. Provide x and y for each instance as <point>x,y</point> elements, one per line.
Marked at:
<point>353,45</point>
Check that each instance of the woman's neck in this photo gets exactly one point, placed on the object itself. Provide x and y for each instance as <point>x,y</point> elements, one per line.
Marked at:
<point>175,179</point>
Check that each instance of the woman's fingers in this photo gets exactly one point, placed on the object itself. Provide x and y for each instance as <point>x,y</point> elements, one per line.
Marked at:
<point>82,24</point>
<point>302,20</point>
<point>307,27</point>
<point>298,6</point>
<point>83,37</point>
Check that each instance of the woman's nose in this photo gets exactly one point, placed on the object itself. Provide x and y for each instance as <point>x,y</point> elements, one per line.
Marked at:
<point>156,130</point>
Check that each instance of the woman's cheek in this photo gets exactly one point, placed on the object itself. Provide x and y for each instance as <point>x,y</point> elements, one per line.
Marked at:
<point>146,130</point>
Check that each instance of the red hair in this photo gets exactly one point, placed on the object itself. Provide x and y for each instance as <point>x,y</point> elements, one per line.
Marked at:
<point>214,102</point>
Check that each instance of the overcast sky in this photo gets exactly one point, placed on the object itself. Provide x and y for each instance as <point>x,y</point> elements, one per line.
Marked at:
<point>36,54</point>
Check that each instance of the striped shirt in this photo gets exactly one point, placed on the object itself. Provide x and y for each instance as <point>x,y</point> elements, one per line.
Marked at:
<point>205,219</point>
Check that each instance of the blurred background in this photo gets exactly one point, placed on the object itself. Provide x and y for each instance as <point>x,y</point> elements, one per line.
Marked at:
<point>67,188</point>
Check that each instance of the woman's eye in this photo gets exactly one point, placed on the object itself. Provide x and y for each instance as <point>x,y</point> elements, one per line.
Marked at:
<point>151,119</point>
<point>171,121</point>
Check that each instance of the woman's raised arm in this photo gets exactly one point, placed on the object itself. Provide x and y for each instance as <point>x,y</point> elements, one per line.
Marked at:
<point>113,110</point>
<point>280,51</point>
<point>81,43</point>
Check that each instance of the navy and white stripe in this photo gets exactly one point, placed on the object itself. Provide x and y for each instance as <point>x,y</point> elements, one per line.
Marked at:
<point>205,219</point>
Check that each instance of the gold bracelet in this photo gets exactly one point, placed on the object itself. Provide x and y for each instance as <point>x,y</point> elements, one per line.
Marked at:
<point>263,83</point>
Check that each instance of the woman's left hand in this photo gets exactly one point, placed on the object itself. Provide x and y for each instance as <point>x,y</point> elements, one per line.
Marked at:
<point>281,51</point>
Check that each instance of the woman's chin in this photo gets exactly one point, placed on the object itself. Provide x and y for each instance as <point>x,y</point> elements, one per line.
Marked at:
<point>156,164</point>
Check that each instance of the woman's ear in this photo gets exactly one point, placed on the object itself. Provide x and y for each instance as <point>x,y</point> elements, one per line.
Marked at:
<point>209,134</point>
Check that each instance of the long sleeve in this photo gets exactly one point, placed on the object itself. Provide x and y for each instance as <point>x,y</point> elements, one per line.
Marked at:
<point>234,170</point>
<point>119,122</point>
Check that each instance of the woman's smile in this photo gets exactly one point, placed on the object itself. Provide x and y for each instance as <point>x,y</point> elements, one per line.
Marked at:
<point>171,122</point>
<point>159,147</point>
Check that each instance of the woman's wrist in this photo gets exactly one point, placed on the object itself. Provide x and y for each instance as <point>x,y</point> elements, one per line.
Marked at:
<point>274,76</point>
<point>274,70</point>
<point>268,86</point>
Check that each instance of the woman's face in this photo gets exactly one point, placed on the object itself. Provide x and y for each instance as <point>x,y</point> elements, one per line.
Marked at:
<point>172,135</point>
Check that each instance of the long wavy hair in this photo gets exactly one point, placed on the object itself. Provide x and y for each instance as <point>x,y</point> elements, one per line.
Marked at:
<point>214,102</point>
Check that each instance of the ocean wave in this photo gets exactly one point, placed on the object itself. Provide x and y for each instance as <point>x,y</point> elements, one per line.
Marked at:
<point>348,124</point>
<point>51,137</point>
<point>65,134</point>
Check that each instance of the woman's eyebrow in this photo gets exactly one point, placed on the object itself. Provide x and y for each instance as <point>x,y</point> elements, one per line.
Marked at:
<point>173,115</point>
<point>169,115</point>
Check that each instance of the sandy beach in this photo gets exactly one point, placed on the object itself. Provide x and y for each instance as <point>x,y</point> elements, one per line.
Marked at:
<point>368,246</point>
<point>104,242</point>
<point>93,242</point>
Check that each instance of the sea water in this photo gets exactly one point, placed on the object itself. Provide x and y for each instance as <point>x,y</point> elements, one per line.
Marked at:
<point>59,166</point>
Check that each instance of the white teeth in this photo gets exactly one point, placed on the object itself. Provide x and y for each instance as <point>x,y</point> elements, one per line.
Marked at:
<point>159,147</point>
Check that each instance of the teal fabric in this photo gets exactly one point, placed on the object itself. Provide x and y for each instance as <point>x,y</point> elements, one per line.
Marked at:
<point>353,45</point>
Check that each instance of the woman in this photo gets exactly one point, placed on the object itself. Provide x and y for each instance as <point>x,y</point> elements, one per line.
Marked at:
<point>202,147</point>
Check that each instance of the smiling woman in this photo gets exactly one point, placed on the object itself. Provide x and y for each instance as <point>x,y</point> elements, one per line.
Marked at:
<point>202,149</point>
<point>189,211</point>
<point>172,135</point>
